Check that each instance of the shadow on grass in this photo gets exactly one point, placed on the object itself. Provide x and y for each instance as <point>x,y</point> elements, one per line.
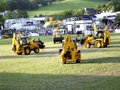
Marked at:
<point>102,60</point>
<point>94,50</point>
<point>114,47</point>
<point>32,55</point>
<point>14,57</point>
<point>54,47</point>
<point>22,81</point>
<point>112,43</point>
<point>114,34</point>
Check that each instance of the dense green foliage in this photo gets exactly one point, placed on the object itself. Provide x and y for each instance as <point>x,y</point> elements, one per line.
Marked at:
<point>16,14</point>
<point>117,20</point>
<point>112,5</point>
<point>41,4</point>
<point>57,8</point>
<point>23,4</point>
<point>68,13</point>
<point>1,19</point>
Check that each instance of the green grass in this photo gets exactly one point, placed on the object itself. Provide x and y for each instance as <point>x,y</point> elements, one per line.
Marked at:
<point>98,70</point>
<point>61,6</point>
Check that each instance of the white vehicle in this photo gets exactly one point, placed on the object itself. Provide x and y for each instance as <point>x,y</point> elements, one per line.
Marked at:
<point>78,26</point>
<point>83,25</point>
<point>33,34</point>
<point>108,15</point>
<point>117,30</point>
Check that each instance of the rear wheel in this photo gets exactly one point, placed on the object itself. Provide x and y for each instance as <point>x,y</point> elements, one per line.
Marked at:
<point>27,51</point>
<point>106,43</point>
<point>36,50</point>
<point>98,44</point>
<point>54,41</point>
<point>77,61</point>
<point>62,43</point>
<point>14,48</point>
<point>64,61</point>
<point>60,50</point>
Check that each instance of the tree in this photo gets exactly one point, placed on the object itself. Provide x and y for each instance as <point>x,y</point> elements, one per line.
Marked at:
<point>23,4</point>
<point>117,19</point>
<point>22,14</point>
<point>4,5</point>
<point>11,15</point>
<point>112,5</point>
<point>19,4</point>
<point>1,19</point>
<point>16,14</point>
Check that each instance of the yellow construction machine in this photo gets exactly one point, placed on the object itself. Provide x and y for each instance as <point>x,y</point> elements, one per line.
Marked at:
<point>7,33</point>
<point>101,39</point>
<point>57,36</point>
<point>22,45</point>
<point>69,51</point>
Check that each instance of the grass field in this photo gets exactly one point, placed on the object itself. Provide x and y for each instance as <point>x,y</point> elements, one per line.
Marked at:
<point>58,7</point>
<point>98,70</point>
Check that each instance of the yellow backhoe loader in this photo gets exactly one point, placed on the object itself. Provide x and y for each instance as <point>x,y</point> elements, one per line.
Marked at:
<point>21,45</point>
<point>101,39</point>
<point>7,33</point>
<point>57,36</point>
<point>69,51</point>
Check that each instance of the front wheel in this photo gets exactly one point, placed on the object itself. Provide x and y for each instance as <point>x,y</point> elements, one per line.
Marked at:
<point>106,43</point>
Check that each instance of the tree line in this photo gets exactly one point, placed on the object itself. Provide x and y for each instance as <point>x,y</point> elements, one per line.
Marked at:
<point>23,4</point>
<point>113,5</point>
<point>17,8</point>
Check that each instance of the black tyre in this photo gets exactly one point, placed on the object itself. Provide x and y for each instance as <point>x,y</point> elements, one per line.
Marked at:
<point>14,48</point>
<point>106,43</point>
<point>60,50</point>
<point>98,44</point>
<point>87,45</point>
<point>19,53</point>
<point>64,61</point>
<point>27,51</point>
<point>54,41</point>
<point>77,61</point>
<point>61,41</point>
<point>36,50</point>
